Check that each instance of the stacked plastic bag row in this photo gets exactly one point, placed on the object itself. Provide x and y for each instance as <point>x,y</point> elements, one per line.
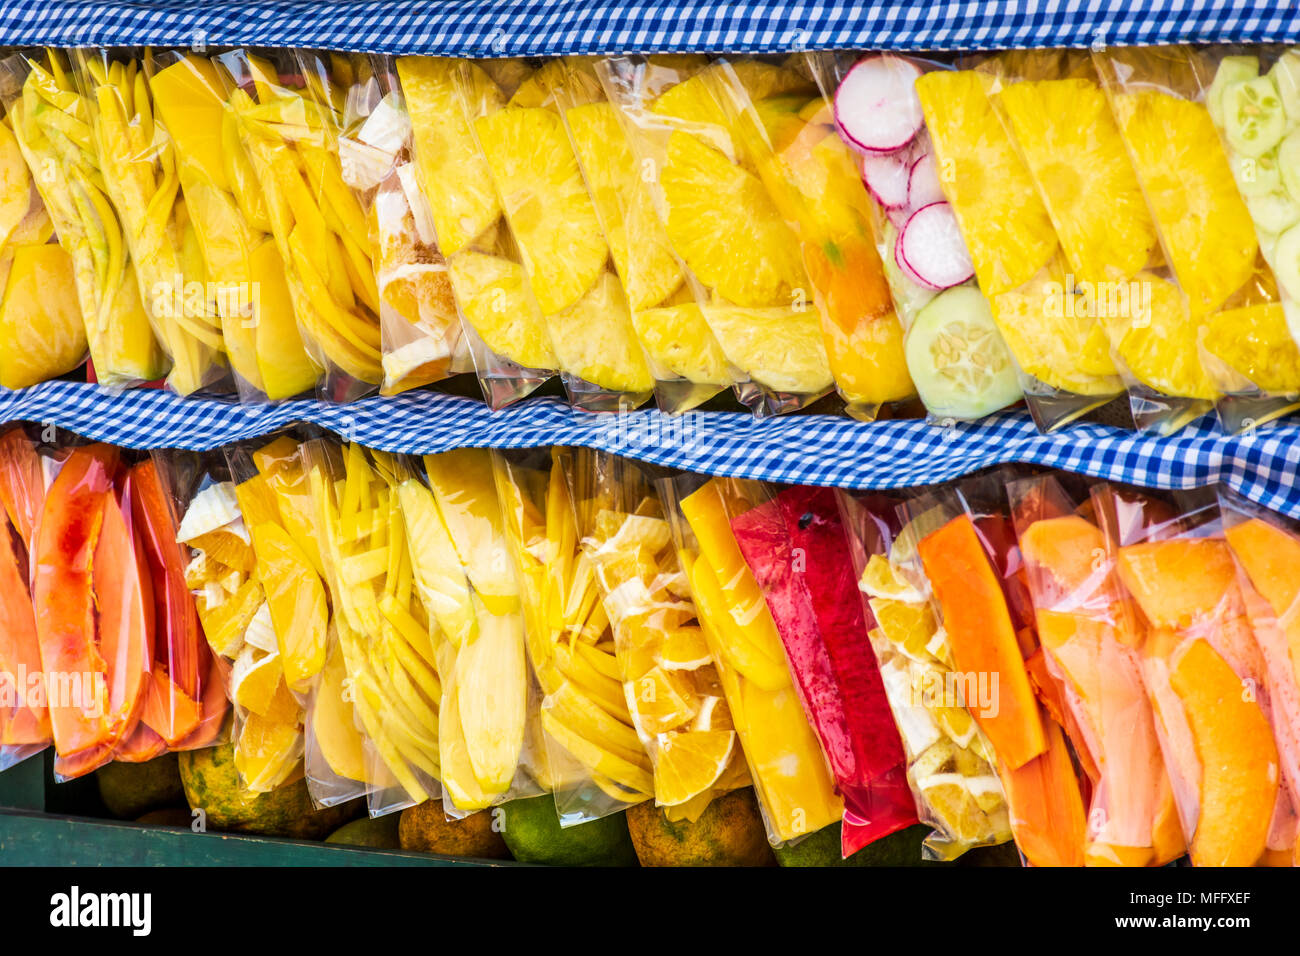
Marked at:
<point>1101,674</point>
<point>1055,226</point>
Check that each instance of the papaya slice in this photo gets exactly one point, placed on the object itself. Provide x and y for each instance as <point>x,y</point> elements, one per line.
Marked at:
<point>1177,581</point>
<point>22,483</point>
<point>20,649</point>
<point>140,745</point>
<point>124,598</point>
<point>1270,556</point>
<point>1045,805</point>
<point>983,639</point>
<point>1238,758</point>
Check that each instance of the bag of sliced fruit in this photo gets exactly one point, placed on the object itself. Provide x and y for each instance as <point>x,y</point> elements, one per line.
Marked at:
<point>139,161</point>
<point>503,323</point>
<point>287,111</point>
<point>381,666</point>
<point>1209,264</point>
<point>1253,98</point>
<point>1092,647</point>
<point>794,542</point>
<point>1264,544</point>
<point>24,712</point>
<point>1066,230</point>
<point>742,261</point>
<point>227,220</point>
<point>791,777</point>
<point>489,742</point>
<point>955,354</point>
<point>1204,671</point>
<point>420,328</point>
<point>963,542</point>
<point>949,761</point>
<point>41,95</point>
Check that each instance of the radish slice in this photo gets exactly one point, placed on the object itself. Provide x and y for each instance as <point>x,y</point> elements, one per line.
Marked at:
<point>923,183</point>
<point>908,272</point>
<point>931,246</point>
<point>876,107</point>
<point>887,175</point>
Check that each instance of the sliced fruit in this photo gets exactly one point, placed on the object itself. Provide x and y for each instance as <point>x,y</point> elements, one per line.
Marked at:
<point>678,339</point>
<point>958,359</point>
<point>690,763</point>
<point>494,295</point>
<point>780,348</point>
<point>595,341</point>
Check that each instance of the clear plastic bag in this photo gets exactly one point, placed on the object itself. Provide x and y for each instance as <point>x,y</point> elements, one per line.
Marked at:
<point>139,163</point>
<point>962,540</point>
<point>794,543</point>
<point>950,764</point>
<point>503,322</point>
<point>226,216</point>
<point>122,347</point>
<point>287,113</point>
<point>792,781</point>
<point>1250,343</point>
<point>1092,646</point>
<point>955,354</point>
<point>1174,149</point>
<point>1203,671</point>
<point>741,259</point>
<point>421,329</point>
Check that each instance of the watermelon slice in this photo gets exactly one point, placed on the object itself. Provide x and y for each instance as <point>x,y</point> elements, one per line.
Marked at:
<point>797,549</point>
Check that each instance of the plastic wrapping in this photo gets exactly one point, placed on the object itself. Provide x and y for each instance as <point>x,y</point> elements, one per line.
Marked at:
<point>421,329</point>
<point>227,217</point>
<point>962,539</point>
<point>51,123</point>
<point>562,246</point>
<point>1204,672</point>
<point>503,322</point>
<point>24,714</point>
<point>488,739</point>
<point>669,678</point>
<point>138,162</point>
<point>387,648</point>
<point>955,354</point>
<point>1251,96</point>
<point>950,763</point>
<point>42,335</point>
<point>1092,646</point>
<point>795,546</point>
<point>795,790</point>
<point>1206,237</point>
<point>742,261</point>
<point>287,116</point>
<point>1264,545</point>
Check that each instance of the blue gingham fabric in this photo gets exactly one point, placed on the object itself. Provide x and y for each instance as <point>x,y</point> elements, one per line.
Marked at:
<point>547,27</point>
<point>808,449</point>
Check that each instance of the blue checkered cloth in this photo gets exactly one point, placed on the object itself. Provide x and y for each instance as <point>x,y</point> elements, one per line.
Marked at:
<point>808,449</point>
<point>540,27</point>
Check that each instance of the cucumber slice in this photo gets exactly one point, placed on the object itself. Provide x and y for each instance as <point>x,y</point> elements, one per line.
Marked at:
<point>1286,262</point>
<point>1233,69</point>
<point>1253,119</point>
<point>1286,77</point>
<point>959,363</point>
<point>1274,212</point>
<point>1288,164</point>
<point>1256,175</point>
<point>908,296</point>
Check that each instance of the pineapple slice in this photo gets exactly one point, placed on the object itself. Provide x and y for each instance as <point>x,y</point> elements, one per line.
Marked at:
<point>546,202</point>
<point>724,225</point>
<point>709,97</point>
<point>595,341</point>
<point>1056,341</point>
<point>782,349</point>
<point>1208,234</point>
<point>496,303</point>
<point>453,174</point>
<point>642,253</point>
<point>1006,227</point>
<point>575,75</point>
<point>1162,352</point>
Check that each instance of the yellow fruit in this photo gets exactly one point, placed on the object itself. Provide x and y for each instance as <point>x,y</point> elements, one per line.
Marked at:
<point>637,241</point>
<point>1053,337</point>
<point>42,334</point>
<point>678,339</point>
<point>297,600</point>
<point>689,763</point>
<point>1207,230</point>
<point>710,97</point>
<point>493,294</point>
<point>453,174</point>
<point>267,752</point>
<point>595,341</point>
<point>782,349</point>
<point>909,626</point>
<point>1074,151</point>
<point>1255,341</point>
<point>722,222</point>
<point>15,184</point>
<point>254,678</point>
<point>333,720</point>
<point>880,579</point>
<point>492,685</point>
<point>684,648</point>
<point>661,701</point>
<point>1006,227</point>
<point>1161,349</point>
<point>545,199</point>
<point>572,79</point>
